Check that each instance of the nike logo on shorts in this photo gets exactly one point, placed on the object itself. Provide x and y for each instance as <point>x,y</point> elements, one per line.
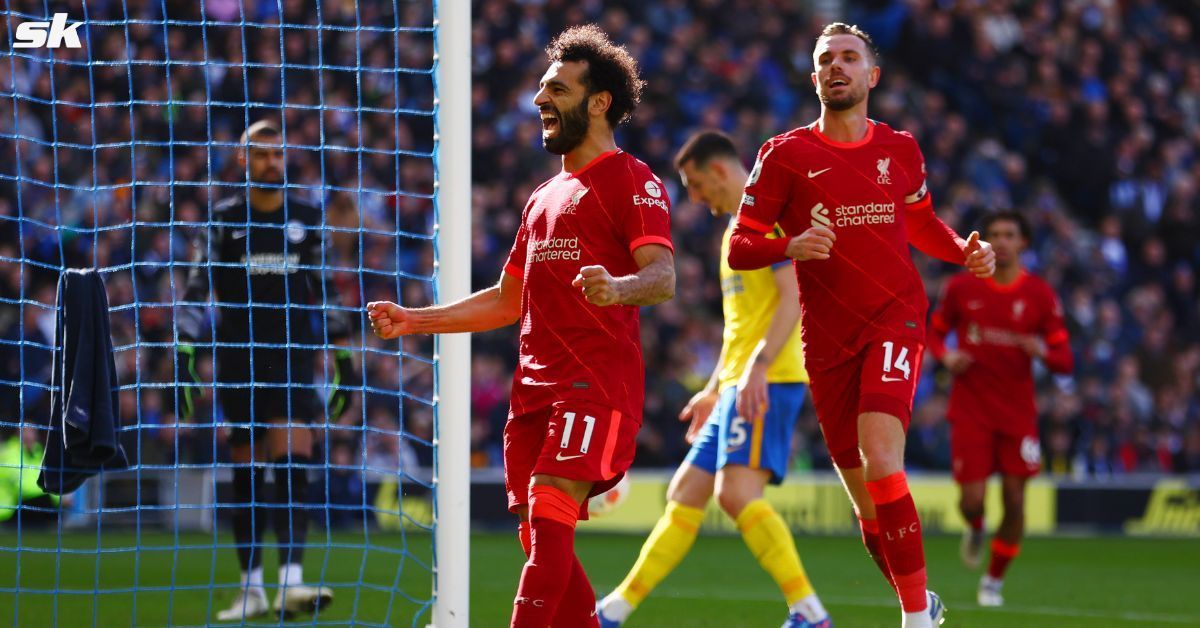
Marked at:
<point>892,379</point>
<point>562,458</point>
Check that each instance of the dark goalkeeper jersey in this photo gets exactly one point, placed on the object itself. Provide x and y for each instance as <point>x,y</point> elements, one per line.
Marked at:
<point>264,271</point>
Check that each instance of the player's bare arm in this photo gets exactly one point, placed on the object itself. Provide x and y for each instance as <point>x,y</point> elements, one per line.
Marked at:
<point>652,284</point>
<point>494,307</point>
<point>752,398</point>
<point>816,243</point>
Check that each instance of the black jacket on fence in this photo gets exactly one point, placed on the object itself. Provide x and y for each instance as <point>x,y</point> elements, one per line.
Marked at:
<point>84,424</point>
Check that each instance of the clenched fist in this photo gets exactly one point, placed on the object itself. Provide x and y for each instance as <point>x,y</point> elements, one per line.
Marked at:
<point>389,320</point>
<point>814,244</point>
<point>599,287</point>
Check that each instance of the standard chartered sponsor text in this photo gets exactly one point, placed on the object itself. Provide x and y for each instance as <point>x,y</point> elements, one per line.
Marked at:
<point>865,214</point>
<point>555,249</point>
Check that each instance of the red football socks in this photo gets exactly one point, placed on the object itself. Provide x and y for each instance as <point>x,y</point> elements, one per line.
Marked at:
<point>870,537</point>
<point>548,572</point>
<point>900,529</point>
<point>578,606</point>
<point>1002,555</point>
<point>976,523</point>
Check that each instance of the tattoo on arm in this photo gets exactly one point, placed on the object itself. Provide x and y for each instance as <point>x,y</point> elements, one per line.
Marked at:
<point>651,285</point>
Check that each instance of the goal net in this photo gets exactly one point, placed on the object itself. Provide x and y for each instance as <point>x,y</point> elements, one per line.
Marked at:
<point>120,136</point>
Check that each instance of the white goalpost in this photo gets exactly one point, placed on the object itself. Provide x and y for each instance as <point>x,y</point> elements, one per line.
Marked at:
<point>452,189</point>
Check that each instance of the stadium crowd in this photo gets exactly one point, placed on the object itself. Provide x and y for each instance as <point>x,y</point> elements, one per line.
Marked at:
<point>1084,114</point>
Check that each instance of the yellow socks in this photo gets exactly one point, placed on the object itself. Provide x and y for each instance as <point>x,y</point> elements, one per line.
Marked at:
<point>771,542</point>
<point>667,544</point>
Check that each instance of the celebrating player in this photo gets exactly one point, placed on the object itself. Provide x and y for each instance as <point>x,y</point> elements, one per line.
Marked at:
<point>849,193</point>
<point>594,244</point>
<point>252,258</point>
<point>1001,324</point>
<point>758,388</point>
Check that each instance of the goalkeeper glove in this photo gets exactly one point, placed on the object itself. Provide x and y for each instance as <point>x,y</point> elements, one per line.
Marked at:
<point>189,380</point>
<point>345,379</point>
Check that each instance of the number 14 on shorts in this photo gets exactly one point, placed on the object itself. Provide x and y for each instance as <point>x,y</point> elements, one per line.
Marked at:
<point>900,364</point>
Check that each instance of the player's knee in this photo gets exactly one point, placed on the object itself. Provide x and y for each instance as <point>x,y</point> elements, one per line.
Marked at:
<point>732,500</point>
<point>880,458</point>
<point>690,491</point>
<point>738,485</point>
<point>970,506</point>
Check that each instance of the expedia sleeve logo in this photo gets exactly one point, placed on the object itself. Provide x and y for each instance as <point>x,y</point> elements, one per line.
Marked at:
<point>654,197</point>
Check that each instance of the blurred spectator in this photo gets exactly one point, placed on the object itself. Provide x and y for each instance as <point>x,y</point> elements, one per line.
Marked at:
<point>929,437</point>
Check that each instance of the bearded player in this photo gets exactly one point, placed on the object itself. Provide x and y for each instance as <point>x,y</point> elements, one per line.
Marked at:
<point>742,421</point>
<point>849,193</point>
<point>594,245</point>
<point>1002,325</point>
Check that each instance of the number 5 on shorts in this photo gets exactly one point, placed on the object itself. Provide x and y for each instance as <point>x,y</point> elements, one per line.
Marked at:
<point>901,364</point>
<point>590,424</point>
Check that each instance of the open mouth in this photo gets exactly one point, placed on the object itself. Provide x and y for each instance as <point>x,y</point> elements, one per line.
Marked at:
<point>549,121</point>
<point>839,81</point>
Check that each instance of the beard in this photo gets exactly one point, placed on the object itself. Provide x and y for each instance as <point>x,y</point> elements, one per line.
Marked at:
<point>572,129</point>
<point>843,102</point>
<point>270,177</point>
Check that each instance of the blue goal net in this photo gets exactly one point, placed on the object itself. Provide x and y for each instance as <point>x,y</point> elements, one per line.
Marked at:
<point>252,395</point>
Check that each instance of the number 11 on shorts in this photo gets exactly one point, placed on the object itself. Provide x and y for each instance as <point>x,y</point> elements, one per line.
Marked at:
<point>590,424</point>
<point>901,364</point>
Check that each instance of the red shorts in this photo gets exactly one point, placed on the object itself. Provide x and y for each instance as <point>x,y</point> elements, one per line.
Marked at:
<point>865,383</point>
<point>978,452</point>
<point>576,440</point>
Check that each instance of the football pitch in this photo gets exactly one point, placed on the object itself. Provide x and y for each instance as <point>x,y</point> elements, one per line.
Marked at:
<point>1060,582</point>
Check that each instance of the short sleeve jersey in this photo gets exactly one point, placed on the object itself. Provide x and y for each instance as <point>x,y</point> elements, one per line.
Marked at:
<point>868,290</point>
<point>569,348</point>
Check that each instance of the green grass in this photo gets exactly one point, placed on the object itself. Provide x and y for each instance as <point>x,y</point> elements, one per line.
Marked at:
<point>1059,582</point>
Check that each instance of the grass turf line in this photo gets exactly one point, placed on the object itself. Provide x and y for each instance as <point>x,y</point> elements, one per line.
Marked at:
<point>1060,582</point>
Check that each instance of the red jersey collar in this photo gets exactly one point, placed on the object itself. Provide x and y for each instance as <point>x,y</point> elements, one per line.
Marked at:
<point>599,158</point>
<point>816,129</point>
<point>1007,287</point>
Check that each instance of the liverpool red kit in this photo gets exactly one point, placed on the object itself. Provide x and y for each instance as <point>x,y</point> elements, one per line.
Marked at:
<point>579,386</point>
<point>863,310</point>
<point>991,411</point>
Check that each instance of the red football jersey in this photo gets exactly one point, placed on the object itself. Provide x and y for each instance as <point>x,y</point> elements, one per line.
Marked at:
<point>990,320</point>
<point>569,348</point>
<point>872,194</point>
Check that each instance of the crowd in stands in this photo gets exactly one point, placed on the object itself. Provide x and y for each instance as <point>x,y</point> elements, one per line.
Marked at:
<point>1083,114</point>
